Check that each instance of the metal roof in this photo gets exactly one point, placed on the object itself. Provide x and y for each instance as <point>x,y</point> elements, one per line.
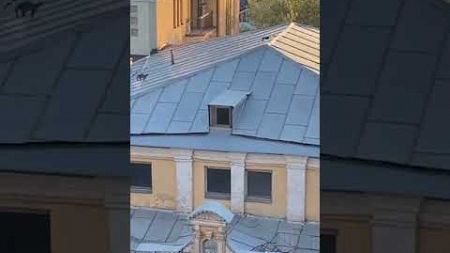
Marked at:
<point>159,230</point>
<point>192,58</point>
<point>61,83</point>
<point>282,105</point>
<point>75,90</point>
<point>391,72</point>
<point>53,17</point>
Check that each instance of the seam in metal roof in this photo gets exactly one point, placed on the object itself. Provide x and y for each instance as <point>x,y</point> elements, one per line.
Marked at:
<point>282,102</point>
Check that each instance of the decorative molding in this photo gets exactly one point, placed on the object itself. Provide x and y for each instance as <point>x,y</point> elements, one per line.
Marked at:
<point>146,155</point>
<point>296,162</point>
<point>266,159</point>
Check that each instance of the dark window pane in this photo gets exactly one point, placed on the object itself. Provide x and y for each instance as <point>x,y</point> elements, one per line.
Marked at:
<point>24,232</point>
<point>328,243</point>
<point>218,181</point>
<point>223,116</point>
<point>259,184</point>
<point>141,175</point>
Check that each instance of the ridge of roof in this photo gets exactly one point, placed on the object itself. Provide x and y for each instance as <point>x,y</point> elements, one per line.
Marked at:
<point>206,55</point>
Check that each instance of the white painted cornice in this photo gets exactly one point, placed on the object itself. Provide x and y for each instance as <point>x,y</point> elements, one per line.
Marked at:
<point>147,154</point>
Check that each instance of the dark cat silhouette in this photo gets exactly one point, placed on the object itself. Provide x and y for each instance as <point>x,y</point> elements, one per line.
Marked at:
<point>141,77</point>
<point>25,7</point>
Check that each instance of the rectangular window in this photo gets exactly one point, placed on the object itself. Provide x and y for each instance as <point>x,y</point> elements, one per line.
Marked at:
<point>328,241</point>
<point>134,32</point>
<point>178,13</point>
<point>141,177</point>
<point>181,12</point>
<point>174,13</point>
<point>133,20</point>
<point>24,231</point>
<point>220,116</point>
<point>218,183</point>
<point>133,9</point>
<point>259,186</point>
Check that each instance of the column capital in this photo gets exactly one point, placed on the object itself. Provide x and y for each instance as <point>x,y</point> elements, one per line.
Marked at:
<point>182,155</point>
<point>237,158</point>
<point>296,162</point>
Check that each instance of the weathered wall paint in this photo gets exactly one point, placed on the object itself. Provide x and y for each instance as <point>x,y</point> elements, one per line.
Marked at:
<point>164,192</point>
<point>79,215</point>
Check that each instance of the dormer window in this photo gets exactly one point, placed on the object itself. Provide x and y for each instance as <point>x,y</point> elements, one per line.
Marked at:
<point>222,108</point>
<point>221,116</point>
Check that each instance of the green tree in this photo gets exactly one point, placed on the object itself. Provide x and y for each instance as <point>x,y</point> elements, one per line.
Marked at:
<point>271,12</point>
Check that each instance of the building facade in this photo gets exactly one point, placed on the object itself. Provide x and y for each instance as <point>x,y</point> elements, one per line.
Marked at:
<point>156,24</point>
<point>385,184</point>
<point>222,152</point>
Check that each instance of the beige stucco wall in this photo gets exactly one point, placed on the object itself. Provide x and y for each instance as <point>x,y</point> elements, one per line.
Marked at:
<point>166,33</point>
<point>164,192</point>
<point>420,224</point>
<point>353,233</point>
<point>433,240</point>
<point>312,193</point>
<point>279,181</point>
<point>79,216</point>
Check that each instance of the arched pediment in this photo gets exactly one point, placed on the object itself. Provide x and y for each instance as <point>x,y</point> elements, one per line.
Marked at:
<point>213,211</point>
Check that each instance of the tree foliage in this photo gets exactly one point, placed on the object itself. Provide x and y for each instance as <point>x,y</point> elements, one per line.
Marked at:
<point>271,12</point>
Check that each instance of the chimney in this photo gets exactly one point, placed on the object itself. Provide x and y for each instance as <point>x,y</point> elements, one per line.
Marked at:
<point>172,59</point>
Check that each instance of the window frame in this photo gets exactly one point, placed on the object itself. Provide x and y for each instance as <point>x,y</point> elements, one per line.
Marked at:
<point>136,21</point>
<point>330,232</point>
<point>213,116</point>
<point>216,195</point>
<point>133,8</point>
<point>259,199</point>
<point>143,189</point>
<point>136,30</point>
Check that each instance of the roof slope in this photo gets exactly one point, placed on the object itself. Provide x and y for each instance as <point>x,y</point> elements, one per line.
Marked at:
<point>391,72</point>
<point>282,105</point>
<point>58,91</point>
<point>157,230</point>
<point>52,17</point>
<point>274,93</point>
<point>192,58</point>
<point>75,90</point>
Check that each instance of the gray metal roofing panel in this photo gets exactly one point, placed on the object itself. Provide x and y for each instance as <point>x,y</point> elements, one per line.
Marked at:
<point>77,114</point>
<point>394,82</point>
<point>229,98</point>
<point>23,76</point>
<point>23,112</point>
<point>271,126</point>
<point>58,113</point>
<point>51,18</point>
<point>263,85</point>
<point>264,114</point>
<point>188,106</point>
<point>245,233</point>
<point>161,118</point>
<point>280,99</point>
<point>195,57</point>
<point>251,116</point>
<point>223,141</point>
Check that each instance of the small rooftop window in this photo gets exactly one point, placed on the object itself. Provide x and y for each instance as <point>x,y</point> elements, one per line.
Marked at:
<point>221,108</point>
<point>220,116</point>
